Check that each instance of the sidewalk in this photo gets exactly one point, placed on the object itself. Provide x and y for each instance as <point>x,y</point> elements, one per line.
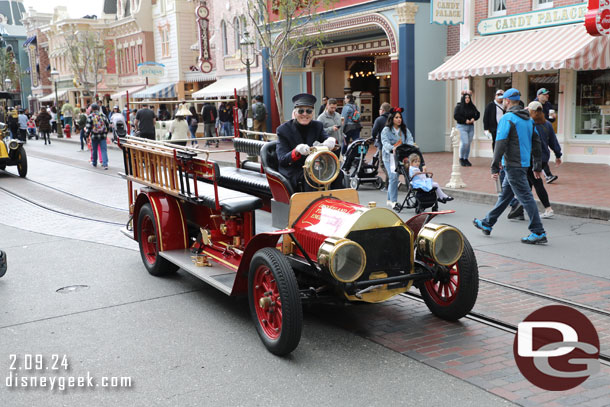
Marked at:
<point>579,191</point>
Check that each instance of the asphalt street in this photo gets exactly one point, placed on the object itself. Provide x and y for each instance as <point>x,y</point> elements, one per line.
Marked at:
<point>181,341</point>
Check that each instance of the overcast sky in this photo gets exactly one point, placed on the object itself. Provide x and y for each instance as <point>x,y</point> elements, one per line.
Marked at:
<point>76,8</point>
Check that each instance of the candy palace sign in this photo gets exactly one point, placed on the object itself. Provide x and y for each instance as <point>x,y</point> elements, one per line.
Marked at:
<point>536,19</point>
<point>447,12</point>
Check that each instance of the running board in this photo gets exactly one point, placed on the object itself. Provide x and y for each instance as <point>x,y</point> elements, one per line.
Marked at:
<point>215,275</point>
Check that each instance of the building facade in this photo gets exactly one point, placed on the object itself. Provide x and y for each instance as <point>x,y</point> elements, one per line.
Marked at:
<point>533,44</point>
<point>37,48</point>
<point>13,35</point>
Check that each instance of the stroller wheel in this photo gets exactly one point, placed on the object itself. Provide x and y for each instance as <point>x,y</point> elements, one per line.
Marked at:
<point>411,200</point>
<point>378,183</point>
<point>354,183</point>
<point>418,209</point>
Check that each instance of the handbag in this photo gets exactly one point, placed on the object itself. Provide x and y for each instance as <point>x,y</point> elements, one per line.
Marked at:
<point>351,127</point>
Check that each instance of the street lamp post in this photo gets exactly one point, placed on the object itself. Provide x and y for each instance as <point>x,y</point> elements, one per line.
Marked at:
<point>55,79</point>
<point>247,51</point>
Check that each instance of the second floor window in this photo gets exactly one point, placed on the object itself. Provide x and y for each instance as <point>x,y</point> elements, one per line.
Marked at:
<point>164,33</point>
<point>538,4</point>
<point>237,33</point>
<point>225,43</point>
<point>497,7</point>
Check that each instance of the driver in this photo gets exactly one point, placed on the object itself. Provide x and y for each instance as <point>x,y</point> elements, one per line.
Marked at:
<point>295,137</point>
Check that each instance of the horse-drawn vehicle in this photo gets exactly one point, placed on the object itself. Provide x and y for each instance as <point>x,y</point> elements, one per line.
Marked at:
<point>192,214</point>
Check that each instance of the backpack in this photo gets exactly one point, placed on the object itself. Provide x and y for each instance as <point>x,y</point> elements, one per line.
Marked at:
<point>97,124</point>
<point>355,117</point>
<point>260,113</point>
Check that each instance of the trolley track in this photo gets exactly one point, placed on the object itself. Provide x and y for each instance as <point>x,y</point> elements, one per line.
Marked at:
<point>496,323</point>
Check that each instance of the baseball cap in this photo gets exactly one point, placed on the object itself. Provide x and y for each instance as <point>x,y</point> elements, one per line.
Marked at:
<point>542,91</point>
<point>535,105</point>
<point>500,93</point>
<point>512,94</point>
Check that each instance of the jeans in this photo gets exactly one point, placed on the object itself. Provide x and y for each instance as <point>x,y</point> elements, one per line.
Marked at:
<point>102,143</point>
<point>515,183</point>
<point>466,135</point>
<point>393,175</point>
<point>193,130</point>
<point>83,139</point>
<point>227,128</point>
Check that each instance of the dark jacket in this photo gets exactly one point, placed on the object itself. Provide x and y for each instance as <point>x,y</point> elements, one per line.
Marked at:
<point>225,114</point>
<point>545,108</point>
<point>378,126</point>
<point>291,134</point>
<point>517,144</point>
<point>43,120</point>
<point>490,122</point>
<point>465,111</point>
<point>547,139</point>
<point>209,113</point>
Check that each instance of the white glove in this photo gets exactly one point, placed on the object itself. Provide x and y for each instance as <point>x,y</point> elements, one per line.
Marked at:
<point>330,143</point>
<point>487,134</point>
<point>302,149</point>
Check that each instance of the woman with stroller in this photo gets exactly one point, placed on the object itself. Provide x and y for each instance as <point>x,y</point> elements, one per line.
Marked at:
<point>394,134</point>
<point>423,180</point>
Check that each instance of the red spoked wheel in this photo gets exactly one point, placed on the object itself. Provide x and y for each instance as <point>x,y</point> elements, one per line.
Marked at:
<point>147,238</point>
<point>454,292</point>
<point>275,305</point>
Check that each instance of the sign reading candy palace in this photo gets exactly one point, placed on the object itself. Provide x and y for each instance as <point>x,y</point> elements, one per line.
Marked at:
<point>597,19</point>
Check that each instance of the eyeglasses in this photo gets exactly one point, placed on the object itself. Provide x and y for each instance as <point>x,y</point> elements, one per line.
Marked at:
<point>308,111</point>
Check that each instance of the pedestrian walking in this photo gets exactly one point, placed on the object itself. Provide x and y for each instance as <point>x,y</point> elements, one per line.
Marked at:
<point>53,120</point>
<point>517,148</point>
<point>32,127</point>
<point>542,96</point>
<point>492,115</point>
<point>44,125</point>
<point>13,122</point>
<point>465,114</point>
<point>193,124</point>
<point>260,114</point>
<point>331,120</point>
<point>209,114</point>
<point>225,115</point>
<point>145,123</point>
<point>394,134</point>
<point>67,110</point>
<point>378,125</point>
<point>97,128</point>
<point>179,128</point>
<point>351,120</point>
<point>323,106</point>
<point>23,126</point>
<point>81,121</point>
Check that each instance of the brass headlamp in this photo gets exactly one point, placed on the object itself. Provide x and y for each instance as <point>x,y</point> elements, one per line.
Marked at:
<point>344,258</point>
<point>321,167</point>
<point>441,243</point>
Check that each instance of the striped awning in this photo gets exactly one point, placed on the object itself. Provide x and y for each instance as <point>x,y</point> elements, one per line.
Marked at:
<point>565,47</point>
<point>160,91</point>
<point>225,86</point>
<point>61,95</point>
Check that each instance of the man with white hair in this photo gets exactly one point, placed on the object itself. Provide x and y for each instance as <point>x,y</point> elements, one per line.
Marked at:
<point>295,137</point>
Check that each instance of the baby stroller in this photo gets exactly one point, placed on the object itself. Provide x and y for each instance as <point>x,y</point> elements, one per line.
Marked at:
<point>415,198</point>
<point>118,131</point>
<point>357,170</point>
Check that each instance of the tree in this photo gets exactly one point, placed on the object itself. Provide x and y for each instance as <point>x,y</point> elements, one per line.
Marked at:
<point>86,55</point>
<point>9,69</point>
<point>280,28</point>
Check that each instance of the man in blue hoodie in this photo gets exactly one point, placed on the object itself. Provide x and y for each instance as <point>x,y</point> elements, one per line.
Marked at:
<point>516,146</point>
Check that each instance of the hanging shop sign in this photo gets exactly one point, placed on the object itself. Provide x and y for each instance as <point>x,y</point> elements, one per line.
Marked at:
<point>597,19</point>
<point>447,12</point>
<point>205,59</point>
<point>151,69</point>
<point>33,70</point>
<point>535,19</point>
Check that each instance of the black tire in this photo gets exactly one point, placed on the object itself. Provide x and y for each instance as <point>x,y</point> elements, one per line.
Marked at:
<point>271,272</point>
<point>462,301</point>
<point>3,263</point>
<point>2,167</point>
<point>378,183</point>
<point>155,264</point>
<point>411,200</point>
<point>22,162</point>
<point>354,183</point>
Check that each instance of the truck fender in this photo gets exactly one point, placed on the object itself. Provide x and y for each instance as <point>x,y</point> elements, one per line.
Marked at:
<point>261,240</point>
<point>416,222</point>
<point>169,217</point>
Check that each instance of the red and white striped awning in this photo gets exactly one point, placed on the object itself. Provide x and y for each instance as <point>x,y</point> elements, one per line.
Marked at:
<point>562,47</point>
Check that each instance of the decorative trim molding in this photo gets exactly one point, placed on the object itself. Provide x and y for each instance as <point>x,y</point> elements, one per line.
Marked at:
<point>366,47</point>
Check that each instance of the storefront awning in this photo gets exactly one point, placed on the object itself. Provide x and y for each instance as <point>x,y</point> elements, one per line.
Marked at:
<point>122,93</point>
<point>224,86</point>
<point>195,76</point>
<point>61,95</point>
<point>568,46</point>
<point>160,91</point>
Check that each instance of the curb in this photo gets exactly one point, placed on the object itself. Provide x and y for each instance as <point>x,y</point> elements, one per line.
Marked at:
<point>560,208</point>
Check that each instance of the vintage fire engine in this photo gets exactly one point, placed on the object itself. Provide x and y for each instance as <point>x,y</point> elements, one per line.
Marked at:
<point>12,152</point>
<point>327,246</point>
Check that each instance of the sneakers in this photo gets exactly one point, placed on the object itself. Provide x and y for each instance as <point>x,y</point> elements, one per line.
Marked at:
<point>468,163</point>
<point>551,178</point>
<point>516,212</point>
<point>463,162</point>
<point>534,239</point>
<point>479,225</point>
<point>445,199</point>
<point>391,204</point>
<point>547,214</point>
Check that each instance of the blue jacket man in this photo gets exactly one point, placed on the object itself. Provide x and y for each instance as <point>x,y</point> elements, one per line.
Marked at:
<point>517,145</point>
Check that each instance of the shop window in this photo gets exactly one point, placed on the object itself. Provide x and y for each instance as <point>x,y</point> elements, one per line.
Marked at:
<point>497,8</point>
<point>164,34</point>
<point>538,4</point>
<point>592,115</point>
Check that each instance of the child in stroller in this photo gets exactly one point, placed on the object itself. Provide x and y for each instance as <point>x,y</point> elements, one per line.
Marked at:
<point>357,170</point>
<point>423,192</point>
